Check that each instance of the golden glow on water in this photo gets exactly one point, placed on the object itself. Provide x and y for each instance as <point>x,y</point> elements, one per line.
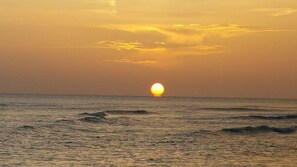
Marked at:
<point>157,89</point>
<point>173,131</point>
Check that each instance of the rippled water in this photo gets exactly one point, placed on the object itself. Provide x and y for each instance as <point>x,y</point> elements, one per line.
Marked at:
<point>39,130</point>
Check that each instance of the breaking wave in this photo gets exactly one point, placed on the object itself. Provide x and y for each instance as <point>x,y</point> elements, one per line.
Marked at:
<point>97,114</point>
<point>260,129</point>
<point>65,121</point>
<point>103,114</point>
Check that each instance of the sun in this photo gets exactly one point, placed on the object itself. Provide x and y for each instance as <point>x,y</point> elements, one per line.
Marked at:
<point>157,89</point>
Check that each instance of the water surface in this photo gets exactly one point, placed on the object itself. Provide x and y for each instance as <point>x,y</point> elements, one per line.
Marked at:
<point>48,130</point>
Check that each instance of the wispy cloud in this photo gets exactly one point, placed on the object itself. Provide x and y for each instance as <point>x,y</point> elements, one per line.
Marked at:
<point>132,45</point>
<point>113,3</point>
<point>133,61</point>
<point>101,11</point>
<point>275,12</point>
<point>103,7</point>
<point>185,33</point>
<point>182,37</point>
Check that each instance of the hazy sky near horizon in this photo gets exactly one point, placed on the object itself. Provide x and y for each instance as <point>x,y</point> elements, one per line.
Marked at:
<point>229,48</point>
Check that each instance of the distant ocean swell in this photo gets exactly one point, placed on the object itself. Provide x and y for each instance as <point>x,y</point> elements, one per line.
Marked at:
<point>260,129</point>
<point>3,105</point>
<point>102,117</point>
<point>94,108</point>
<point>49,106</point>
<point>270,117</point>
<point>244,109</point>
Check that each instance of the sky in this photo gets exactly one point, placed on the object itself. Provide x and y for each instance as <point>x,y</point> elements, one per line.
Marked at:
<point>204,48</point>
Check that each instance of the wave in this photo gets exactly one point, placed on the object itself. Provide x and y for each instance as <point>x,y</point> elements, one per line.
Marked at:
<point>66,121</point>
<point>80,108</point>
<point>97,114</point>
<point>278,117</point>
<point>92,119</point>
<point>260,129</point>
<point>237,109</point>
<point>103,114</point>
<point>100,116</point>
<point>3,105</point>
<point>122,112</point>
<point>26,127</point>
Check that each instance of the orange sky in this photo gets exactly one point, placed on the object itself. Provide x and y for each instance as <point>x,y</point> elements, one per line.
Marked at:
<point>210,48</point>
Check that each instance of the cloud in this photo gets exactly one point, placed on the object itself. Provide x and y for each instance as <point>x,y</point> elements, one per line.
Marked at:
<point>132,45</point>
<point>133,61</point>
<point>101,11</point>
<point>182,38</point>
<point>275,12</point>
<point>194,33</point>
<point>104,7</point>
<point>113,3</point>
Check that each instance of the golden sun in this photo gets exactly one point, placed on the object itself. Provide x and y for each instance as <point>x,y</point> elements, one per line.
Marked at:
<point>157,89</point>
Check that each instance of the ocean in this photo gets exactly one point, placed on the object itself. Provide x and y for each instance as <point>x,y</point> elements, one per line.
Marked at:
<point>60,130</point>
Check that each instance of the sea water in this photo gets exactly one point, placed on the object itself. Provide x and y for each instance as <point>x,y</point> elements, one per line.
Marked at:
<point>56,130</point>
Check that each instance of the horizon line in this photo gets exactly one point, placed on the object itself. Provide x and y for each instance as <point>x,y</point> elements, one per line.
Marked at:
<point>181,96</point>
